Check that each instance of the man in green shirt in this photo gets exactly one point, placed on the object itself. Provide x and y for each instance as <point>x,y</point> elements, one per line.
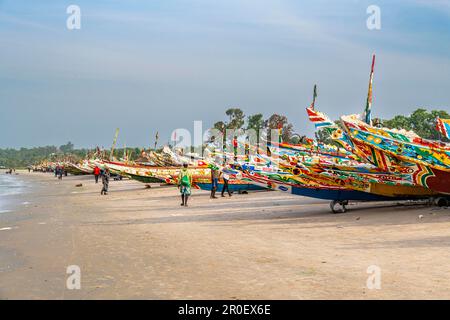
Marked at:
<point>185,183</point>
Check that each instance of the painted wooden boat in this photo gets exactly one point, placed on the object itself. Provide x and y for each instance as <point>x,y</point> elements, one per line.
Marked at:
<point>74,169</point>
<point>201,175</point>
<point>334,169</point>
<point>398,151</point>
<point>393,167</point>
<point>319,191</point>
<point>140,178</point>
<point>84,167</point>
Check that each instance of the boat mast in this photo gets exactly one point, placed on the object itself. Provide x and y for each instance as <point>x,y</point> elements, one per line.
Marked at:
<point>156,139</point>
<point>114,144</point>
<point>367,117</point>
<point>314,97</point>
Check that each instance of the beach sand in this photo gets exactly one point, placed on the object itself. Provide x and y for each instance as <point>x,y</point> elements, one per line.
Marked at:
<point>138,243</point>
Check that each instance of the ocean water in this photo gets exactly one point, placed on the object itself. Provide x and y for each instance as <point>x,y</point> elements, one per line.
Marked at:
<point>10,186</point>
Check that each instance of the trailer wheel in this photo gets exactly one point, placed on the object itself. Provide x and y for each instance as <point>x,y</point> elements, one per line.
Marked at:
<point>338,206</point>
<point>441,202</point>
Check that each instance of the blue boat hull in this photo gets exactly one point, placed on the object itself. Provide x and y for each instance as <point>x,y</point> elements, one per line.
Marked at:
<point>340,195</point>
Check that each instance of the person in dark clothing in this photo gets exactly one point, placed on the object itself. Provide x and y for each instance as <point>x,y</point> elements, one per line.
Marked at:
<point>105,181</point>
<point>214,182</point>
<point>60,173</point>
<point>226,178</point>
<point>96,173</point>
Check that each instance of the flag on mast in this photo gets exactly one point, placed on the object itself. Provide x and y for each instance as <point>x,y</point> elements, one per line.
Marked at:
<point>314,97</point>
<point>156,138</point>
<point>367,117</point>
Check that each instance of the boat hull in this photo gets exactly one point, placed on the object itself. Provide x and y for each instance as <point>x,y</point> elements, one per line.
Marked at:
<point>340,195</point>
<point>143,179</point>
<point>233,187</point>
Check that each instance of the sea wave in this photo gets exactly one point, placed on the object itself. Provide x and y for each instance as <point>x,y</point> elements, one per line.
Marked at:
<point>10,186</point>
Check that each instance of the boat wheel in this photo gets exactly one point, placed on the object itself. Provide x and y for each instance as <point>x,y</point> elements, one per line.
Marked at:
<point>441,202</point>
<point>338,206</point>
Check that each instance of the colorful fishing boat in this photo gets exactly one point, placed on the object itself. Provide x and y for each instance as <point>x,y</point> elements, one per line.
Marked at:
<point>402,151</point>
<point>305,186</point>
<point>74,169</point>
<point>423,162</point>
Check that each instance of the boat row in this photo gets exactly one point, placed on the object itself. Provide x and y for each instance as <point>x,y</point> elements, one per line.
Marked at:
<point>366,162</point>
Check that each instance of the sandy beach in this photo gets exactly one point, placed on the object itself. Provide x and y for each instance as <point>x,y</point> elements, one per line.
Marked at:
<point>138,243</point>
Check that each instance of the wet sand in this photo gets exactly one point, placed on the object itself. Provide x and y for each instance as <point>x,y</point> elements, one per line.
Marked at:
<point>138,243</point>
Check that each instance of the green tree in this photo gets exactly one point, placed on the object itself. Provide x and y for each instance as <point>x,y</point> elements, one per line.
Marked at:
<point>220,125</point>
<point>420,121</point>
<point>66,148</point>
<point>236,118</point>
<point>324,136</point>
<point>277,121</point>
<point>255,122</point>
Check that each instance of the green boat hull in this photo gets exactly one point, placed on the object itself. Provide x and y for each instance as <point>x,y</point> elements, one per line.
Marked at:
<point>143,179</point>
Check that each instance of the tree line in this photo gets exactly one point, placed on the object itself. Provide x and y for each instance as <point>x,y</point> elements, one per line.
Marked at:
<point>238,120</point>
<point>24,157</point>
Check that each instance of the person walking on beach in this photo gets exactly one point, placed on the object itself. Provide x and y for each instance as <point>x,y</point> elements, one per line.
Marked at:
<point>214,182</point>
<point>226,179</point>
<point>60,173</point>
<point>105,181</point>
<point>96,173</point>
<point>185,183</point>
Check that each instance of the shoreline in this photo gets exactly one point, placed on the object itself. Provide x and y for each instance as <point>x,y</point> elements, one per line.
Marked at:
<point>138,243</point>
<point>12,201</point>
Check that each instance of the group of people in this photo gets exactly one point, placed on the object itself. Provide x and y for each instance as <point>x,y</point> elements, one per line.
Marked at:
<point>59,172</point>
<point>185,183</point>
<point>104,173</point>
<point>215,176</point>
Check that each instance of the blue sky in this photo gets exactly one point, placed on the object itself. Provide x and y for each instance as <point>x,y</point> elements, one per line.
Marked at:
<point>147,66</point>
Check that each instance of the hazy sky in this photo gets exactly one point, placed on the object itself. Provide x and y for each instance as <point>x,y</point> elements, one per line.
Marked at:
<point>145,66</point>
